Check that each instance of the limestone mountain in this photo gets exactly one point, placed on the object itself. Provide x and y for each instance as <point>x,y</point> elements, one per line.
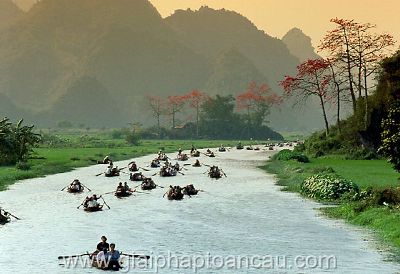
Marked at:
<point>9,13</point>
<point>211,32</point>
<point>122,50</point>
<point>299,45</point>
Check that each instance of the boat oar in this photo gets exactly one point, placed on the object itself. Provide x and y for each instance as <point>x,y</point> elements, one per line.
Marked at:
<point>65,187</point>
<point>12,215</point>
<point>99,174</point>
<point>86,187</point>
<point>223,173</point>
<point>160,186</point>
<point>181,173</point>
<point>80,205</point>
<point>105,202</point>
<point>186,164</point>
<point>137,256</point>
<point>154,174</point>
<point>73,256</point>
<point>122,168</point>
<point>141,192</point>
<point>206,165</point>
<point>108,193</point>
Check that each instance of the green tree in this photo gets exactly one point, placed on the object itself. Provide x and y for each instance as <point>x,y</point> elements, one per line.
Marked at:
<point>391,136</point>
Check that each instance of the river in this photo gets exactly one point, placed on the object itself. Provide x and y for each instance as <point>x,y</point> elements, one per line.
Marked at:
<point>243,217</point>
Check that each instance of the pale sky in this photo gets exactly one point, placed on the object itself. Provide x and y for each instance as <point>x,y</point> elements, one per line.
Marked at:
<point>276,17</point>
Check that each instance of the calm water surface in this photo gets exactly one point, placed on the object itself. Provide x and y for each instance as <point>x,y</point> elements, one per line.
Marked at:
<point>244,214</point>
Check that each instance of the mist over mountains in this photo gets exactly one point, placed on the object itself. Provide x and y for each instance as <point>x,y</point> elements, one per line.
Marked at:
<point>93,61</point>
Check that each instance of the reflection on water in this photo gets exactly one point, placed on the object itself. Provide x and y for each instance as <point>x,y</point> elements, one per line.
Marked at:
<point>244,214</point>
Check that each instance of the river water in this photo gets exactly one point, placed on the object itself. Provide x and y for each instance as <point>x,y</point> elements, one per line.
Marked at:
<point>241,217</point>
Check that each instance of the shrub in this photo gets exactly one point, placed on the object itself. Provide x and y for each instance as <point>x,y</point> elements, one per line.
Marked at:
<point>22,165</point>
<point>286,155</point>
<point>327,187</point>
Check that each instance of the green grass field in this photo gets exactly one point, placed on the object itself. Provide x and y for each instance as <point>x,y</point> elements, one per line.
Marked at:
<point>384,221</point>
<point>57,160</point>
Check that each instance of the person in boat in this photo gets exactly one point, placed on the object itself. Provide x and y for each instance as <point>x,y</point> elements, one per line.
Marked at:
<point>211,154</point>
<point>92,203</point>
<point>4,216</point>
<point>176,166</point>
<point>101,258</point>
<point>208,151</point>
<point>180,151</point>
<point>107,160</point>
<point>112,256</point>
<point>76,185</point>
<point>120,188</point>
<point>126,187</point>
<point>197,163</point>
<point>192,150</point>
<point>132,166</point>
<point>103,245</point>
<point>109,170</point>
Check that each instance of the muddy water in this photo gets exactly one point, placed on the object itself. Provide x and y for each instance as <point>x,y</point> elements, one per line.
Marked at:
<point>243,214</point>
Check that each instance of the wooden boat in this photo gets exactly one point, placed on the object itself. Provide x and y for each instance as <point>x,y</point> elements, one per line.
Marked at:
<point>136,177</point>
<point>168,172</point>
<point>155,164</point>
<point>74,190</point>
<point>195,153</point>
<point>4,219</point>
<point>133,167</point>
<point>114,173</point>
<point>249,148</point>
<point>122,194</point>
<point>183,157</point>
<point>189,190</point>
<point>93,209</point>
<point>175,196</point>
<point>148,184</point>
<point>257,148</point>
<point>222,149</point>
<point>239,147</point>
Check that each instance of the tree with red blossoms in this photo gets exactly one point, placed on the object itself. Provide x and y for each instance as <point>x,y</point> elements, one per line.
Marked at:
<point>175,104</point>
<point>195,99</point>
<point>312,79</point>
<point>256,101</point>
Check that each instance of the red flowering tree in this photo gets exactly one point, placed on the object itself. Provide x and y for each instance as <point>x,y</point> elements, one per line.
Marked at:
<point>312,79</point>
<point>157,107</point>
<point>195,99</point>
<point>256,101</point>
<point>175,104</point>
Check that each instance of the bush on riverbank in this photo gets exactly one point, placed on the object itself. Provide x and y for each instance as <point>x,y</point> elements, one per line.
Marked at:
<point>328,187</point>
<point>287,155</point>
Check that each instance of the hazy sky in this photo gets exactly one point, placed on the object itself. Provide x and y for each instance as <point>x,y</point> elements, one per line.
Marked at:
<point>276,17</point>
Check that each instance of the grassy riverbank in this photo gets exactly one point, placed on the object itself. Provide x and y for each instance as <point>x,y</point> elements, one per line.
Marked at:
<point>367,174</point>
<point>46,161</point>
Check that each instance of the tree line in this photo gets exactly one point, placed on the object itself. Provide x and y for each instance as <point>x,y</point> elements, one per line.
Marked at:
<point>219,116</point>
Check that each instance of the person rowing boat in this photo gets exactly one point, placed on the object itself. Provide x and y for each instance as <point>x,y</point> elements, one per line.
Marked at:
<point>148,184</point>
<point>91,204</point>
<point>4,217</point>
<point>174,193</point>
<point>123,190</point>
<point>190,190</point>
<point>75,187</point>
<point>197,163</point>
<point>133,167</point>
